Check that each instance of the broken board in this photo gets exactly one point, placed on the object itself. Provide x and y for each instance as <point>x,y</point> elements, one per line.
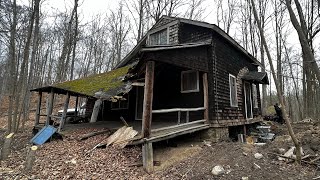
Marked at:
<point>120,138</point>
<point>43,135</point>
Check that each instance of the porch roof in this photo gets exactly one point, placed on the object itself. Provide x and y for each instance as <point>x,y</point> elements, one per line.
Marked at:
<point>104,85</point>
<point>256,77</point>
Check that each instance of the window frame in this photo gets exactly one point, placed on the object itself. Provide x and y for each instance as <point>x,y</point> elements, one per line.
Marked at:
<point>254,96</point>
<point>181,82</point>
<point>158,33</point>
<point>235,104</point>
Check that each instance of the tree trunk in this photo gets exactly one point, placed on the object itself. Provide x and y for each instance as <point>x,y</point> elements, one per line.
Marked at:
<point>280,97</point>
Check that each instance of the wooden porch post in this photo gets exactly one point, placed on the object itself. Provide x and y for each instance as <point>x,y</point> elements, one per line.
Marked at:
<point>65,110</point>
<point>147,150</point>
<point>76,109</point>
<point>38,110</point>
<point>205,97</point>
<point>95,111</point>
<point>50,106</point>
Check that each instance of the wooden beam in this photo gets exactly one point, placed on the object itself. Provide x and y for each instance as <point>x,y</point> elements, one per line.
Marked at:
<point>50,106</point>
<point>76,109</point>
<point>95,111</point>
<point>147,154</point>
<point>177,110</point>
<point>147,102</point>
<point>205,97</point>
<point>147,150</point>
<point>65,110</point>
<point>37,120</point>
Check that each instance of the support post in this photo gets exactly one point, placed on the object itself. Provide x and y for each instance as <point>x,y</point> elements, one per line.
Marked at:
<point>6,148</point>
<point>147,150</point>
<point>179,117</point>
<point>50,107</point>
<point>147,102</point>
<point>187,116</point>
<point>31,157</point>
<point>147,154</point>
<point>65,110</point>
<point>76,109</point>
<point>205,97</point>
<point>95,111</point>
<point>38,110</point>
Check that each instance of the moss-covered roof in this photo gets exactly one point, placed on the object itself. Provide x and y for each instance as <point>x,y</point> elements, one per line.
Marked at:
<point>104,85</point>
<point>90,85</point>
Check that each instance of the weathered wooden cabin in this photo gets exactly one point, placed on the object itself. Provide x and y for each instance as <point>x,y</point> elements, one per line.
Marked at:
<point>183,76</point>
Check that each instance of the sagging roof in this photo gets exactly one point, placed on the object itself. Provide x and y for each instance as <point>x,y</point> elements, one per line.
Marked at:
<point>256,77</point>
<point>104,85</point>
<point>176,46</point>
<point>214,27</point>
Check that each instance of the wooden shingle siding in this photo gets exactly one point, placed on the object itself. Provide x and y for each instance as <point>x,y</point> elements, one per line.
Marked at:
<point>162,23</point>
<point>226,59</point>
<point>192,58</point>
<point>191,34</point>
<point>173,34</point>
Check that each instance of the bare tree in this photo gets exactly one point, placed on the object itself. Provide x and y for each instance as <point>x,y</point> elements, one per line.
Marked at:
<point>280,97</point>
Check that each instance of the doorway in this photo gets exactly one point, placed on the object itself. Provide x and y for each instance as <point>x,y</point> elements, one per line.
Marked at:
<point>248,100</point>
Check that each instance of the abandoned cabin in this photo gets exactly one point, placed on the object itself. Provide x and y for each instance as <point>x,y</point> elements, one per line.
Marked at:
<point>183,76</point>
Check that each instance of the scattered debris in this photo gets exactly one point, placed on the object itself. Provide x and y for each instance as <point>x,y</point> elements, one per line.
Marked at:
<point>245,178</point>
<point>290,154</point>
<point>258,156</point>
<point>86,136</point>
<point>139,164</point>
<point>217,170</point>
<point>256,166</point>
<point>265,133</point>
<point>120,138</point>
<point>281,150</point>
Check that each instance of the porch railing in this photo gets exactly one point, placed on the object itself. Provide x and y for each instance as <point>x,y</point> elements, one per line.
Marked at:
<point>179,110</point>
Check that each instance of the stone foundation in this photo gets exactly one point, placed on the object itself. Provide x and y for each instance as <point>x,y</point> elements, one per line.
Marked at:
<point>215,134</point>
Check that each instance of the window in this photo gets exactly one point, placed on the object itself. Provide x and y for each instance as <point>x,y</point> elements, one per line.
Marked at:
<point>121,103</point>
<point>189,81</point>
<point>255,96</point>
<point>159,38</point>
<point>233,91</point>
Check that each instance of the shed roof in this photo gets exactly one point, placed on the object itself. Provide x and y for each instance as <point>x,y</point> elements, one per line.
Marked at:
<point>256,77</point>
<point>104,85</point>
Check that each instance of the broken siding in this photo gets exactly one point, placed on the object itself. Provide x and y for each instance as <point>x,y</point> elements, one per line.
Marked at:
<point>226,60</point>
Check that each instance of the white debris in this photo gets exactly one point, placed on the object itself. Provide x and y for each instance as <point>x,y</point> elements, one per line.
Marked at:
<point>258,156</point>
<point>217,170</point>
<point>245,178</point>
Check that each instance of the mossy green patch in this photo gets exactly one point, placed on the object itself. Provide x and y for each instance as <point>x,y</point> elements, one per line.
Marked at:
<point>99,82</point>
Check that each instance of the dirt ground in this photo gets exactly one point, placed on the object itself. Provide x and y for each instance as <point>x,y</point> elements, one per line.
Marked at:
<point>186,157</point>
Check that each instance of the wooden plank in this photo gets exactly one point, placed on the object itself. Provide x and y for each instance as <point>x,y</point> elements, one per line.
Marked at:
<point>177,109</point>
<point>176,126</point>
<point>171,134</point>
<point>148,98</point>
<point>37,120</point>
<point>50,107</point>
<point>205,97</point>
<point>177,133</point>
<point>179,117</point>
